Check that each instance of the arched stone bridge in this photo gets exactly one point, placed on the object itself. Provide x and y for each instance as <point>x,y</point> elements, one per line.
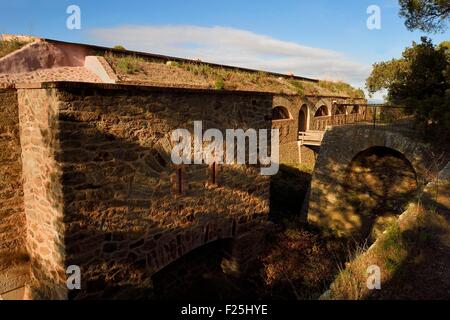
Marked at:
<point>302,122</point>
<point>330,201</point>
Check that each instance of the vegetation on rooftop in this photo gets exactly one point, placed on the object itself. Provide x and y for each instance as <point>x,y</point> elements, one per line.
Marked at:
<point>133,68</point>
<point>11,45</point>
<point>125,64</point>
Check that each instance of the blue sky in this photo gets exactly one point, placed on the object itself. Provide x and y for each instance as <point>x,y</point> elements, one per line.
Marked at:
<point>320,38</point>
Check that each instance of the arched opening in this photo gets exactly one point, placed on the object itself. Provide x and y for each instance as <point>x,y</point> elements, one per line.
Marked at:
<point>340,110</point>
<point>197,275</point>
<point>303,119</point>
<point>321,112</point>
<point>355,110</point>
<point>280,113</point>
<point>380,182</point>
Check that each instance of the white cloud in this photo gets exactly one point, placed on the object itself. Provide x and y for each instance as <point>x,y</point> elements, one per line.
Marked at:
<point>236,47</point>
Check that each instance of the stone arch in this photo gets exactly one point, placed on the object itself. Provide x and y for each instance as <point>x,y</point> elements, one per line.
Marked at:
<point>184,278</point>
<point>303,119</point>
<point>322,111</point>
<point>187,240</point>
<point>379,183</point>
<point>280,113</point>
<point>355,109</point>
<point>322,104</point>
<point>339,148</point>
<point>340,110</point>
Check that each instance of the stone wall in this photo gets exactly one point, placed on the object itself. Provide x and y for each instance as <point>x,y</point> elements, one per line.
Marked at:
<point>38,111</point>
<point>13,257</point>
<point>98,157</point>
<point>308,154</point>
<point>288,128</point>
<point>328,206</point>
<point>290,150</point>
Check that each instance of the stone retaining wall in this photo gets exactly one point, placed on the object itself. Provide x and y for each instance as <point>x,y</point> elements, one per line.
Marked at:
<point>13,257</point>
<point>98,161</point>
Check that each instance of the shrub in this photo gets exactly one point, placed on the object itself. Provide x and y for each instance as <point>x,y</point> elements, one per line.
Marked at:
<point>219,84</point>
<point>119,47</point>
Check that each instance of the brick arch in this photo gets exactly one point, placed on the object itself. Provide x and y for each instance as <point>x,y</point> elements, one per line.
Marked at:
<point>339,147</point>
<point>319,104</point>
<point>383,149</point>
<point>211,257</point>
<point>171,246</point>
<point>281,113</point>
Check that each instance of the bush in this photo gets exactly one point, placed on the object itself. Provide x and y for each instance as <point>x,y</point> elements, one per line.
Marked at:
<point>119,47</point>
<point>219,84</point>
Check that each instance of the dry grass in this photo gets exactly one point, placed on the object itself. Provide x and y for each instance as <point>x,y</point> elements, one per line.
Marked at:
<point>135,69</point>
<point>8,46</point>
<point>301,263</point>
<point>413,256</point>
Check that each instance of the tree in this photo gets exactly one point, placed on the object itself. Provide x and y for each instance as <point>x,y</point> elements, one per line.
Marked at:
<point>426,15</point>
<point>418,81</point>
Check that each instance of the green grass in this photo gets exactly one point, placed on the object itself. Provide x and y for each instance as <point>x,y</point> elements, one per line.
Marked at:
<point>119,47</point>
<point>199,69</point>
<point>219,84</point>
<point>128,64</point>
<point>299,87</point>
<point>8,46</point>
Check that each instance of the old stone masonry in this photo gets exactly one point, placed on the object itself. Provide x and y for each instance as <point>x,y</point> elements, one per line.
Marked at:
<point>87,178</point>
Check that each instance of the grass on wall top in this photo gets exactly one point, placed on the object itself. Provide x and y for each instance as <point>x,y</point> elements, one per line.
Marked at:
<point>8,46</point>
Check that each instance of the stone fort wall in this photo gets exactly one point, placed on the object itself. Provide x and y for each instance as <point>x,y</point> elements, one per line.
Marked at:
<point>98,157</point>
<point>13,257</point>
<point>100,191</point>
<point>38,111</point>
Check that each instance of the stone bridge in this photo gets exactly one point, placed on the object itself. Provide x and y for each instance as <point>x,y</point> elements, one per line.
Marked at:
<point>303,120</point>
<point>352,151</point>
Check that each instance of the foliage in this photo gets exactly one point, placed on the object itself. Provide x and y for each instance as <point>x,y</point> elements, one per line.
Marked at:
<point>8,46</point>
<point>219,84</point>
<point>199,69</point>
<point>119,47</point>
<point>420,81</point>
<point>425,15</point>
<point>298,85</point>
<point>126,64</point>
